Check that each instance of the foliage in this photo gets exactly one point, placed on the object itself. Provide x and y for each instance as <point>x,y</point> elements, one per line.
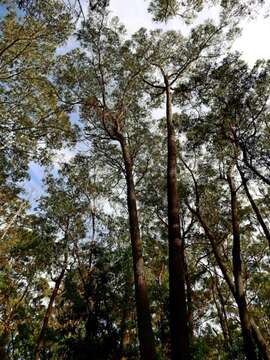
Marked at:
<point>66,279</point>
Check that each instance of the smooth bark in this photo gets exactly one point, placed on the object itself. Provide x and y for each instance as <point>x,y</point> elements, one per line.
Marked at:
<point>177,295</point>
<point>145,332</point>
<point>249,343</point>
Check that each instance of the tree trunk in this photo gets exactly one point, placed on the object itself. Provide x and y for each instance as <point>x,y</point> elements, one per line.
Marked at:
<point>189,303</point>
<point>261,343</point>
<point>4,340</point>
<point>124,331</point>
<point>249,164</point>
<point>124,335</point>
<point>255,207</point>
<point>40,340</point>
<point>178,307</point>
<point>257,336</point>
<point>249,344</point>
<point>145,332</point>
<point>219,303</point>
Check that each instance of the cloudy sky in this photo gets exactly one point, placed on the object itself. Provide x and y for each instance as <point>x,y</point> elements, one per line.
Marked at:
<point>254,43</point>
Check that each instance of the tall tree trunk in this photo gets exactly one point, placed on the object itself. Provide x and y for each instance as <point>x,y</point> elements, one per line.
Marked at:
<point>178,307</point>
<point>145,332</point>
<point>249,343</point>
<point>40,340</point>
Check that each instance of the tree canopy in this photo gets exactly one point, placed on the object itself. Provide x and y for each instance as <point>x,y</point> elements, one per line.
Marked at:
<point>151,241</point>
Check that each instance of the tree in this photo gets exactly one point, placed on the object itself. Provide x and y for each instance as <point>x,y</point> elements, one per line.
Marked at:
<point>170,59</point>
<point>112,114</point>
<point>197,177</point>
<point>164,10</point>
<point>220,134</point>
<point>32,120</point>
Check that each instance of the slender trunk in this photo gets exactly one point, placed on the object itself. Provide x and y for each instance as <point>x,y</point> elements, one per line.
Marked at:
<point>260,340</point>
<point>222,317</point>
<point>124,334</point>
<point>4,340</point>
<point>189,303</point>
<point>217,254</point>
<point>223,309</point>
<point>145,332</point>
<point>255,207</point>
<point>178,307</point>
<point>251,167</point>
<point>40,340</point>
<point>249,344</point>
<point>257,335</point>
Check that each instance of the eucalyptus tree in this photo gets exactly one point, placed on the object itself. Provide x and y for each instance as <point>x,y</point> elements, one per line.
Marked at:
<point>171,59</point>
<point>240,102</point>
<point>104,80</point>
<point>29,111</point>
<point>17,273</point>
<point>234,106</point>
<point>32,120</point>
<point>66,213</point>
<point>97,302</point>
<point>210,220</point>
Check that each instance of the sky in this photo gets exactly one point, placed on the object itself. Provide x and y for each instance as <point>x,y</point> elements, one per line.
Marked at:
<point>254,43</point>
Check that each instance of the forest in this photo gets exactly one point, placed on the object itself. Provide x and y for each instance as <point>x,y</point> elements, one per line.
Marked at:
<point>149,237</point>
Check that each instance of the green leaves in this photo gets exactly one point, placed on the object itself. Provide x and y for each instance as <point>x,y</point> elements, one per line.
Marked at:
<point>113,81</point>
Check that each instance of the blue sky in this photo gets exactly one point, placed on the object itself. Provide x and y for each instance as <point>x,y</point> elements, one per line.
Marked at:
<point>2,10</point>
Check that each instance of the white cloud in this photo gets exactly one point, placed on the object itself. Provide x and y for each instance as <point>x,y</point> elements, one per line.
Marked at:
<point>254,43</point>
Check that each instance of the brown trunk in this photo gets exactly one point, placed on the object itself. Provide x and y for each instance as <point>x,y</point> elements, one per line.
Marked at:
<point>217,254</point>
<point>257,336</point>
<point>145,333</point>
<point>178,307</point>
<point>255,207</point>
<point>189,303</point>
<point>40,340</point>
<point>223,309</point>
<point>218,300</point>
<point>250,166</point>
<point>124,333</point>
<point>4,340</point>
<point>249,343</point>
<point>261,343</point>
